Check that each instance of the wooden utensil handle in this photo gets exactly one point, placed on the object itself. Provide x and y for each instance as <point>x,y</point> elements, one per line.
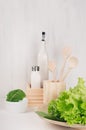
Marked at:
<point>54,75</point>
<point>62,70</point>
<point>65,76</point>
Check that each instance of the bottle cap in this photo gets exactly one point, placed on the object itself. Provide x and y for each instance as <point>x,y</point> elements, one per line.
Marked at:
<point>43,33</point>
<point>43,36</point>
<point>35,68</point>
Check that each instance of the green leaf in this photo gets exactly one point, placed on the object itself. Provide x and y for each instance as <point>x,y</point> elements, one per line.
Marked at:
<point>15,95</point>
<point>46,115</point>
<point>43,114</point>
<point>70,106</point>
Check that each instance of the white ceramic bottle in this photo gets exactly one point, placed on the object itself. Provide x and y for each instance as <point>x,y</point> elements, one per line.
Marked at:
<point>43,60</point>
<point>35,77</point>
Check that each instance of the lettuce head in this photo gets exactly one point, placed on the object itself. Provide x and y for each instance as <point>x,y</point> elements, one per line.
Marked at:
<point>70,106</point>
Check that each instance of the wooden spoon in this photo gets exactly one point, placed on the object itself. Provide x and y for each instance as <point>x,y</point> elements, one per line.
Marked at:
<point>66,54</point>
<point>52,68</point>
<point>73,62</point>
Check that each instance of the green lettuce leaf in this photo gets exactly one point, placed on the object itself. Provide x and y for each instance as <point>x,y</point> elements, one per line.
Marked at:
<point>15,95</point>
<point>70,106</point>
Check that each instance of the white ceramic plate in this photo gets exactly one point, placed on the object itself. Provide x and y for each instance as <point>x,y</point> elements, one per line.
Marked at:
<point>76,126</point>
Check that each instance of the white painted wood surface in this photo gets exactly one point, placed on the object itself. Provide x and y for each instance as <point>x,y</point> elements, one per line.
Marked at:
<point>24,121</point>
<point>21,24</point>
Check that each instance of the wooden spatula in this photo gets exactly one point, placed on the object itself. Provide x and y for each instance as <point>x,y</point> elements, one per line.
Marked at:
<point>52,68</point>
<point>66,54</point>
<point>73,62</point>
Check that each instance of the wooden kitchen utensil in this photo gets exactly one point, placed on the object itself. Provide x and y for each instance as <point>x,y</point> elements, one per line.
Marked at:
<point>52,68</point>
<point>52,89</point>
<point>73,62</point>
<point>66,54</point>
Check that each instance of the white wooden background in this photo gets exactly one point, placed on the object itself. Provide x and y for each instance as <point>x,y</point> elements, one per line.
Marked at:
<point>21,24</point>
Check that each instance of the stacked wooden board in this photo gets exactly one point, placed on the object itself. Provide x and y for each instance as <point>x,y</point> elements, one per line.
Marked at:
<point>35,96</point>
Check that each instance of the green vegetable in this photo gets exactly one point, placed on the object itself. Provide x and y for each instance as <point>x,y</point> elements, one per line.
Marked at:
<point>45,115</point>
<point>70,106</point>
<point>15,95</point>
